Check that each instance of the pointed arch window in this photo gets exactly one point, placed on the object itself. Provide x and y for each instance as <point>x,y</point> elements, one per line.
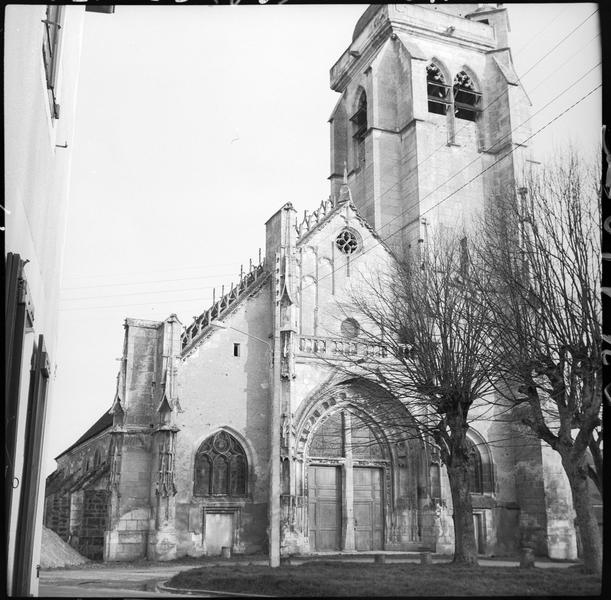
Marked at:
<point>467,101</point>
<point>480,469</point>
<point>359,118</point>
<point>221,467</point>
<point>438,91</point>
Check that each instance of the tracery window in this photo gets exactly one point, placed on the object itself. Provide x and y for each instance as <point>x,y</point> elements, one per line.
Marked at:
<point>330,440</point>
<point>438,90</point>
<point>480,470</point>
<point>220,467</point>
<point>467,101</point>
<point>364,443</point>
<point>347,242</point>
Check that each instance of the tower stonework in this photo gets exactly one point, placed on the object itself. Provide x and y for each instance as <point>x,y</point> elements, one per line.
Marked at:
<point>432,119</point>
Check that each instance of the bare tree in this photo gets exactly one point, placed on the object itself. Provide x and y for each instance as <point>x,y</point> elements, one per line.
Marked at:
<point>543,249</point>
<point>426,315</point>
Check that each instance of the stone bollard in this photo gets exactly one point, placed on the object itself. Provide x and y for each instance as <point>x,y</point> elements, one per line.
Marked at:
<point>527,558</point>
<point>226,552</point>
<point>426,558</point>
<point>380,559</point>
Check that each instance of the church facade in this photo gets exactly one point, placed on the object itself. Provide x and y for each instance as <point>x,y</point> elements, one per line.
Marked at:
<point>238,425</point>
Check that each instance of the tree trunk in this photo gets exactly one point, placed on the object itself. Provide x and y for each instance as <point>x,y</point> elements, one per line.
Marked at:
<point>591,543</point>
<point>465,548</point>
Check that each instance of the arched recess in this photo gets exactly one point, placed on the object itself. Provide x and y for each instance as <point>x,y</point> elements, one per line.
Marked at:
<point>220,471</point>
<point>369,401</point>
<point>467,95</point>
<point>360,125</point>
<point>339,138</point>
<point>481,471</point>
<point>439,88</point>
<point>357,468</point>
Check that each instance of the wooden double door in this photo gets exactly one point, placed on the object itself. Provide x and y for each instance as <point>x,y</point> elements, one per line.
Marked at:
<point>327,505</point>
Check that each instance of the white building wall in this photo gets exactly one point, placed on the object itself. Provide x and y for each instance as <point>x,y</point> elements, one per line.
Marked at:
<point>37,175</point>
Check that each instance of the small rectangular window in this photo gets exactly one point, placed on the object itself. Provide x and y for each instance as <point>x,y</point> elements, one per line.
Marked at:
<point>236,349</point>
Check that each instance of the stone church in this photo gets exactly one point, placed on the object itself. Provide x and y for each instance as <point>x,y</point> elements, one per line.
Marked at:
<point>237,425</point>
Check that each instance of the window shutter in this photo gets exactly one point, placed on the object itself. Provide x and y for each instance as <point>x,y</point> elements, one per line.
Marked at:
<point>34,436</point>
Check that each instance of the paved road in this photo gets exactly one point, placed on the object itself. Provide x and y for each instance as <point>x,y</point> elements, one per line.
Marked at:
<point>128,582</point>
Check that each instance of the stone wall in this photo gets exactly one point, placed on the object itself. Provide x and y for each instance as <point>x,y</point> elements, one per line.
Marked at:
<point>93,524</point>
<point>221,391</point>
<point>57,514</point>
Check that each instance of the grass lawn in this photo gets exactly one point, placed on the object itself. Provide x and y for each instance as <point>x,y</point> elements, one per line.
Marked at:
<point>318,578</point>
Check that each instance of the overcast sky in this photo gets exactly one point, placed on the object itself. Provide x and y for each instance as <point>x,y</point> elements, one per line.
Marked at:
<point>195,124</point>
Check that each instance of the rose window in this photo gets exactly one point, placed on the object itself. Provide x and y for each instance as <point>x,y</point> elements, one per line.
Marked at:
<point>347,242</point>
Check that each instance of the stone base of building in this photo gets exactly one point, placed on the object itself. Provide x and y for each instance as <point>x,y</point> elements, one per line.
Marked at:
<point>162,545</point>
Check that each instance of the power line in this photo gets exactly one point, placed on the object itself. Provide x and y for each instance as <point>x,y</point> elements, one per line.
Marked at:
<point>501,95</point>
<point>564,38</point>
<point>383,239</point>
<point>560,42</point>
<point>175,301</point>
<point>536,35</point>
<point>563,65</point>
<point>140,272</point>
<point>395,185</point>
<point>208,287</point>
<point>513,149</point>
<point>478,158</point>
<point>377,243</point>
<point>86,287</point>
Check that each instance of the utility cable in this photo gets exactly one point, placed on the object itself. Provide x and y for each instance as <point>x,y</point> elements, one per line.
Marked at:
<point>377,243</point>
<point>402,213</point>
<point>86,287</point>
<point>384,239</point>
<point>421,162</point>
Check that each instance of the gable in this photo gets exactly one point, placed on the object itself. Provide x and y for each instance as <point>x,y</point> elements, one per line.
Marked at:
<point>335,257</point>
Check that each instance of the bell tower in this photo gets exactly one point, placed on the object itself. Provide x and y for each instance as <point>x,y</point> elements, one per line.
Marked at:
<point>432,118</point>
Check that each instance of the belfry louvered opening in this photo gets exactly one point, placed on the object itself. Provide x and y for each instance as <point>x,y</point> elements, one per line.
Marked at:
<point>467,101</point>
<point>438,91</point>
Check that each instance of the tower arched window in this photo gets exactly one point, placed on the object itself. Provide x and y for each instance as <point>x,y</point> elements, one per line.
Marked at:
<point>221,468</point>
<point>438,91</point>
<point>467,100</point>
<point>359,121</point>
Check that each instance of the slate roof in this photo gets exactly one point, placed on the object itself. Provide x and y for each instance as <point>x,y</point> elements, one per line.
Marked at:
<point>103,423</point>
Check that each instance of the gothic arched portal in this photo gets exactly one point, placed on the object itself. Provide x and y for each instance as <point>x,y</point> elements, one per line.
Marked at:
<point>346,469</point>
